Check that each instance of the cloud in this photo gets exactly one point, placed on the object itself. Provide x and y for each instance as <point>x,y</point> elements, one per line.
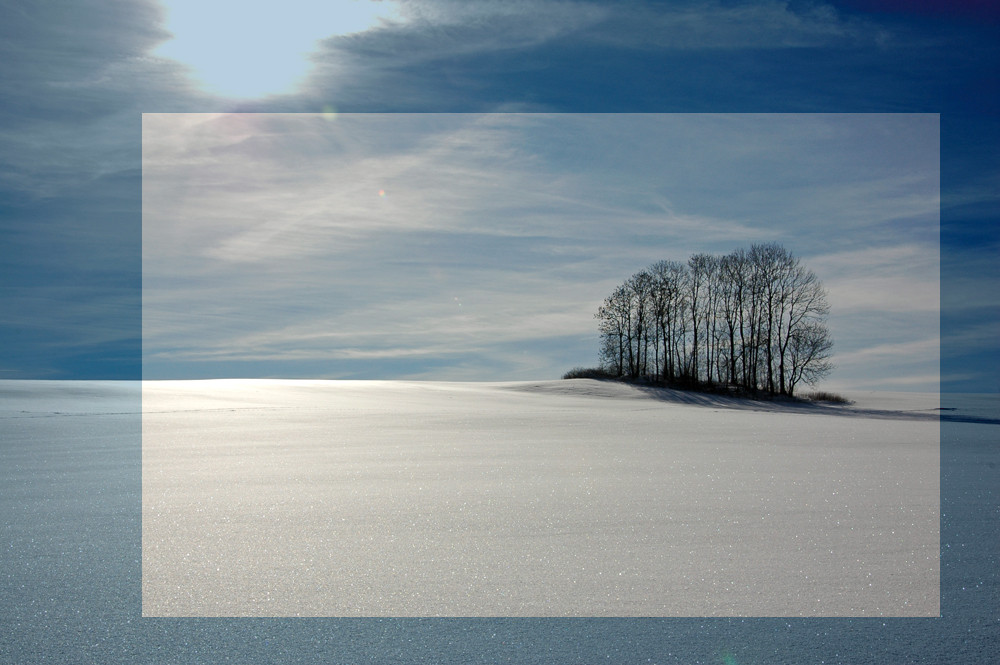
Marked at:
<point>885,303</point>
<point>711,24</point>
<point>446,28</point>
<point>436,29</point>
<point>80,319</point>
<point>920,348</point>
<point>970,339</point>
<point>437,238</point>
<point>881,280</point>
<point>972,274</point>
<point>330,188</point>
<point>73,79</point>
<point>514,39</point>
<point>906,358</point>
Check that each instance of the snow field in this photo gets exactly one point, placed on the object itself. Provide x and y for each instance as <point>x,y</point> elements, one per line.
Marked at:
<point>571,498</point>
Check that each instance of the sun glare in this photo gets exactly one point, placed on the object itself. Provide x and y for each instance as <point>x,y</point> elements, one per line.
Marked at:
<point>248,50</point>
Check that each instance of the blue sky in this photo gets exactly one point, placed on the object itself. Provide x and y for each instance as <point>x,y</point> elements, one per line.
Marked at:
<point>522,191</point>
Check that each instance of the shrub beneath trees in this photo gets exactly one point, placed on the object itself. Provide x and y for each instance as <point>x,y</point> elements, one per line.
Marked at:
<point>832,398</point>
<point>589,373</point>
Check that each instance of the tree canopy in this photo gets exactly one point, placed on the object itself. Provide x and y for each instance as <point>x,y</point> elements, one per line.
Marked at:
<point>753,320</point>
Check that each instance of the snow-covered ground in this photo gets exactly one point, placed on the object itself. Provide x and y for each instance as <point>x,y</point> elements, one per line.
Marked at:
<point>563,498</point>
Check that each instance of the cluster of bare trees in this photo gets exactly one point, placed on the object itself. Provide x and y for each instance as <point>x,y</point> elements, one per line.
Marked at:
<point>752,320</point>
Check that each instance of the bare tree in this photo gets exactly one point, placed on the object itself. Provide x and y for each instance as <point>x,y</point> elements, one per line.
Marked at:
<point>640,288</point>
<point>697,286</point>
<point>668,312</point>
<point>613,318</point>
<point>803,310</point>
<point>809,351</point>
<point>732,278</point>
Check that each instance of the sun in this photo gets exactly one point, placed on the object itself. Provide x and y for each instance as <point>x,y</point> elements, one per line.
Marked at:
<point>248,50</point>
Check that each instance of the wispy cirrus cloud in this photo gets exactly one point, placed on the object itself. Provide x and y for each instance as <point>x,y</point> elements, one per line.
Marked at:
<point>861,279</point>
<point>711,24</point>
<point>436,241</point>
<point>437,28</point>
